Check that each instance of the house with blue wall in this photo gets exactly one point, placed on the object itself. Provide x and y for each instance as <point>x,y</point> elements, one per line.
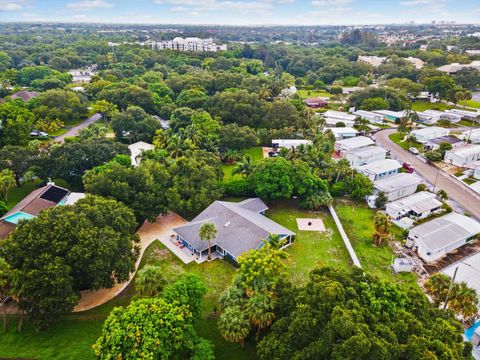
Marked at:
<point>241,227</point>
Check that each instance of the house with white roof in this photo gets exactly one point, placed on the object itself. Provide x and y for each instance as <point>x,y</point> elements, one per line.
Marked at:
<point>374,61</point>
<point>289,143</point>
<point>418,63</point>
<point>432,116</point>
<point>365,155</point>
<point>392,116</point>
<point>428,133</point>
<point>370,116</point>
<point>472,136</point>
<point>380,169</point>
<point>417,206</point>
<point>463,155</point>
<point>434,144</point>
<point>465,114</point>
<point>343,146</point>
<point>136,150</point>
<point>397,186</point>
<point>438,237</point>
<point>341,133</point>
<point>456,67</point>
<point>333,117</point>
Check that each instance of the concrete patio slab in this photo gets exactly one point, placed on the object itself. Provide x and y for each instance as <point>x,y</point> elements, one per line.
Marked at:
<point>310,224</point>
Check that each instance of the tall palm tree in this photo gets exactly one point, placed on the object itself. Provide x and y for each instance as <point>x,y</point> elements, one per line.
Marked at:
<point>244,167</point>
<point>230,156</point>
<point>463,300</point>
<point>260,312</point>
<point>382,228</point>
<point>233,325</point>
<point>264,92</point>
<point>4,288</point>
<point>437,286</point>
<point>207,232</point>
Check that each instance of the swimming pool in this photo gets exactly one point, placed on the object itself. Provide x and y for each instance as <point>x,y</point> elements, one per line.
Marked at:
<point>469,332</point>
<point>15,218</point>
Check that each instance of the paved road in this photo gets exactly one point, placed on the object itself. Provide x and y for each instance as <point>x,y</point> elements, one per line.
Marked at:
<point>76,129</point>
<point>457,191</point>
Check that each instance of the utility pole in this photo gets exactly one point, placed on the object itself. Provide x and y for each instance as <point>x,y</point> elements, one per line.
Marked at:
<point>435,185</point>
<point>450,288</point>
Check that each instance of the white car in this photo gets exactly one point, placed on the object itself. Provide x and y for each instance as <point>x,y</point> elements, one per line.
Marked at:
<point>414,150</point>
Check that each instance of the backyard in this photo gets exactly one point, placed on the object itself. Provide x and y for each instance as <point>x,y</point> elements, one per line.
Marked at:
<point>427,105</point>
<point>304,94</point>
<point>256,153</point>
<point>73,335</point>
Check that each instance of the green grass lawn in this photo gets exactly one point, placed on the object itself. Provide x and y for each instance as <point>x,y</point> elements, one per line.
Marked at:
<point>305,94</point>
<point>256,153</point>
<point>426,105</point>
<point>18,193</point>
<point>357,221</point>
<point>470,103</point>
<point>397,138</point>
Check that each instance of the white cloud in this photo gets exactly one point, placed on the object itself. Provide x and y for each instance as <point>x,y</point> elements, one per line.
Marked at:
<point>197,7</point>
<point>12,5</point>
<point>89,4</point>
<point>327,3</point>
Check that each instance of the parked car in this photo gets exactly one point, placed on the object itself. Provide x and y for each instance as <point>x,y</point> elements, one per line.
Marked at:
<point>272,154</point>
<point>407,166</point>
<point>414,150</point>
<point>38,133</point>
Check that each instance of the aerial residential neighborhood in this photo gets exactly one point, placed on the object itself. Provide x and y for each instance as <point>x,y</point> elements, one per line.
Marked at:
<point>239,180</point>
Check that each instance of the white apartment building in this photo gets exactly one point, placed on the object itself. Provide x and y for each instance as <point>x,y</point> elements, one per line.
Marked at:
<point>188,44</point>
<point>463,155</point>
<point>429,133</point>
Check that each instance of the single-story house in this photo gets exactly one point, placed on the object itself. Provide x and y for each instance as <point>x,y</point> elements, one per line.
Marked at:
<point>380,169</point>
<point>341,133</point>
<point>434,144</point>
<point>417,206</point>
<point>397,186</point>
<point>392,116</point>
<point>333,117</point>
<point>432,116</point>
<point>428,133</point>
<point>370,116</point>
<point>472,136</point>
<point>24,95</point>
<point>289,143</point>
<point>30,206</point>
<point>346,145</point>
<point>365,155</point>
<point>465,114</point>
<point>436,238</point>
<point>373,60</point>
<point>136,150</point>
<point>463,155</point>
<point>315,103</point>
<point>455,67</point>
<point>240,227</point>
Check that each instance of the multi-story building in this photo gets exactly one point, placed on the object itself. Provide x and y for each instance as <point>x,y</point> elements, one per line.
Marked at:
<point>188,44</point>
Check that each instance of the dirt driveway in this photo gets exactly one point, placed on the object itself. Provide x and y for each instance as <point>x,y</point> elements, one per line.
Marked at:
<point>148,232</point>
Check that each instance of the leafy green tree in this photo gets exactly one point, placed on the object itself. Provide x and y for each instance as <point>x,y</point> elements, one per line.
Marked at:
<point>104,108</point>
<point>7,182</point>
<point>234,325</point>
<point>381,200</point>
<point>134,124</point>
<point>92,132</point>
<point>150,328</point>
<point>17,122</point>
<point>5,61</point>
<point>259,310</point>
<point>244,167</point>
<point>150,281</point>
<point>442,194</point>
<point>16,158</point>
<point>361,124</point>
<point>3,208</point>
<point>27,75</point>
<point>195,98</point>
<point>96,250</point>
<point>375,103</point>
<point>188,291</point>
<point>397,100</point>
<point>272,178</point>
<point>4,288</point>
<point>439,85</point>
<point>124,95</point>
<point>142,188</point>
<point>208,232</point>
<point>280,114</point>
<point>237,137</point>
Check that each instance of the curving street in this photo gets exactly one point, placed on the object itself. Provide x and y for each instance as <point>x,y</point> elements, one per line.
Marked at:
<point>456,190</point>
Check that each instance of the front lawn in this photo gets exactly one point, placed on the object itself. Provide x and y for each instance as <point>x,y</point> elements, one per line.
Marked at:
<point>256,153</point>
<point>470,103</point>
<point>426,105</point>
<point>397,138</point>
<point>305,94</point>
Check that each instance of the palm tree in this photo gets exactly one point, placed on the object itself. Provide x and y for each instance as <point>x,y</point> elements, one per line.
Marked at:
<point>260,312</point>
<point>264,92</point>
<point>463,300</point>
<point>382,228</point>
<point>7,182</point>
<point>230,156</point>
<point>437,286</point>
<point>244,167</point>
<point>361,124</point>
<point>275,241</point>
<point>207,232</point>
<point>233,325</point>
<point>150,281</point>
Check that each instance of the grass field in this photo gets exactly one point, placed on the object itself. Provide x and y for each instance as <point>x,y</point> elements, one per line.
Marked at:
<point>73,335</point>
<point>305,94</point>
<point>398,139</point>
<point>470,103</point>
<point>256,153</point>
<point>426,105</point>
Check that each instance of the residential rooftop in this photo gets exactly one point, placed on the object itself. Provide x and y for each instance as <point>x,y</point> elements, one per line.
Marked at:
<point>397,182</point>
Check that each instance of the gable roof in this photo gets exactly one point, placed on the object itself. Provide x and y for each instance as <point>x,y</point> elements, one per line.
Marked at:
<point>24,95</point>
<point>239,228</point>
<point>42,198</point>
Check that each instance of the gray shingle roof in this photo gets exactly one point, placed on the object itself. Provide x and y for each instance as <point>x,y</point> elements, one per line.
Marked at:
<point>239,229</point>
<point>254,204</point>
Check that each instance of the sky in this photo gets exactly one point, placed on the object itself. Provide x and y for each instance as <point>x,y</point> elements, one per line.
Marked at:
<point>241,12</point>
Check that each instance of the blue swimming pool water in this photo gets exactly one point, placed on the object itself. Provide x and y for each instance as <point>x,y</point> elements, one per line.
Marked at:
<point>15,218</point>
<point>469,332</point>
